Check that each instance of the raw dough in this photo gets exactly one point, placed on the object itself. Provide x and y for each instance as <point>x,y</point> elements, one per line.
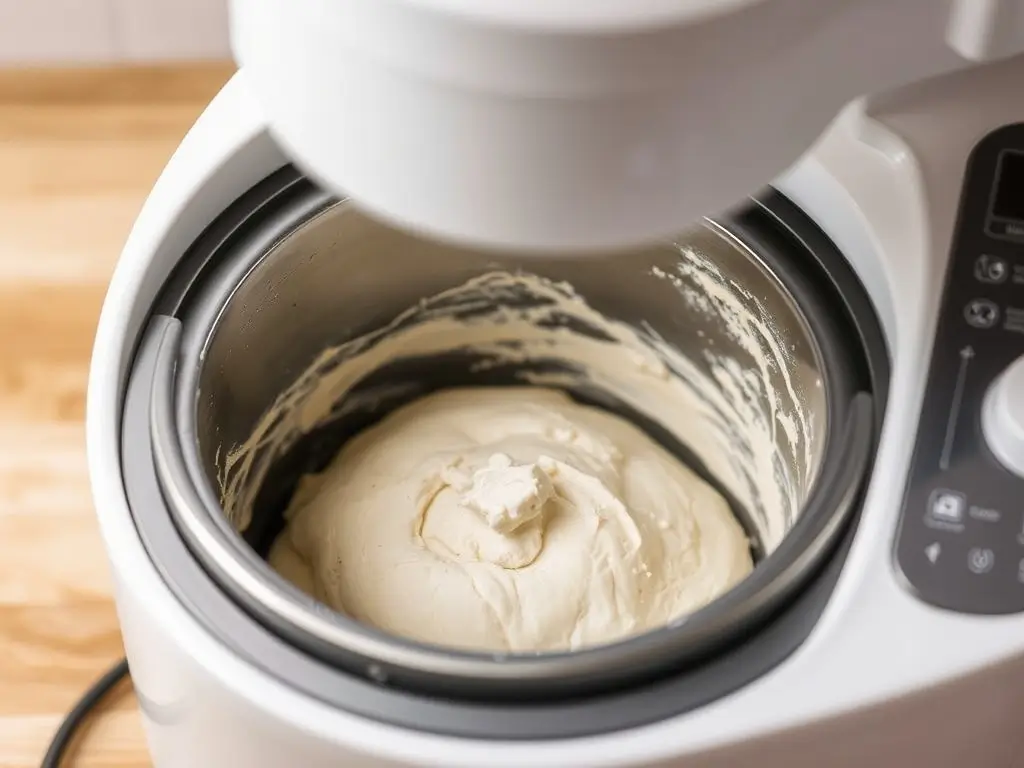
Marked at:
<point>510,519</point>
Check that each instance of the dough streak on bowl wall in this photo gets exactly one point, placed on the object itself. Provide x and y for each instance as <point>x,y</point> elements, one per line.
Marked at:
<point>602,533</point>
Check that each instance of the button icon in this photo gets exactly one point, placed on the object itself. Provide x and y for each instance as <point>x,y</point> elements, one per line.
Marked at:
<point>980,560</point>
<point>991,269</point>
<point>946,508</point>
<point>932,552</point>
<point>981,313</point>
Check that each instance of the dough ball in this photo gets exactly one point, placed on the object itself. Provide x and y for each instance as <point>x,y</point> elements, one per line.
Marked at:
<point>510,520</point>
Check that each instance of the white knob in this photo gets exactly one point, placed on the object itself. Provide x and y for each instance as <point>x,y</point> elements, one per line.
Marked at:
<point>1002,417</point>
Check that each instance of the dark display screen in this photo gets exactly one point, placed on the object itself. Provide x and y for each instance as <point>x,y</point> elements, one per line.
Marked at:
<point>1009,200</point>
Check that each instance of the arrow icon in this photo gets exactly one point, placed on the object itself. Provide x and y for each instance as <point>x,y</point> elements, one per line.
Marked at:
<point>932,552</point>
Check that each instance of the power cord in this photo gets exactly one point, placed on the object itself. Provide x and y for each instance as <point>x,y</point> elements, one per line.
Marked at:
<point>80,712</point>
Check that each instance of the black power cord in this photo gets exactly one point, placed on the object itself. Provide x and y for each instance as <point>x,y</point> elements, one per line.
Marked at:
<point>80,712</point>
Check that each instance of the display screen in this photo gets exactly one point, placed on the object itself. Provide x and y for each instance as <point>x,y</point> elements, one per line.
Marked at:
<point>1009,200</point>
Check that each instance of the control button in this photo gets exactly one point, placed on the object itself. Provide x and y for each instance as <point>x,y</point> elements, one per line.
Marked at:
<point>1020,572</point>
<point>991,269</point>
<point>981,313</point>
<point>980,560</point>
<point>1002,417</point>
<point>946,509</point>
<point>932,552</point>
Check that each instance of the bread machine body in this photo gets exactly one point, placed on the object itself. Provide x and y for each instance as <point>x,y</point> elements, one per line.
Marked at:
<point>892,668</point>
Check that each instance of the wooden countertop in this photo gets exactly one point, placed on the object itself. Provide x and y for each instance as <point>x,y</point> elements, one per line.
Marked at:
<point>78,153</point>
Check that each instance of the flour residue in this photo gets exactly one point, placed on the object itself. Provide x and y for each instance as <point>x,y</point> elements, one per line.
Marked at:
<point>735,406</point>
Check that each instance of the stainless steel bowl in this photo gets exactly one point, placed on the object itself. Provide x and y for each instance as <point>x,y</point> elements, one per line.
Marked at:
<point>258,320</point>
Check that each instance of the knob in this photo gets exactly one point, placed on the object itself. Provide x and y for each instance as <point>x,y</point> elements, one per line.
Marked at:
<point>1002,417</point>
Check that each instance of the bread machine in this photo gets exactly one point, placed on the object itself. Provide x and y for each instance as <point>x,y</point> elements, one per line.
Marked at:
<point>853,171</point>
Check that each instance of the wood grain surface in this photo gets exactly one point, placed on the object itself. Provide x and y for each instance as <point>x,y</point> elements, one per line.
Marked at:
<point>78,153</point>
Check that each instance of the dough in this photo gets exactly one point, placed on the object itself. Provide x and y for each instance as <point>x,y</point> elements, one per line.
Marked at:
<point>509,519</point>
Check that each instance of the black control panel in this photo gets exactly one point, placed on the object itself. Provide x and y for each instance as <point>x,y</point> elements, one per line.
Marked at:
<point>960,544</point>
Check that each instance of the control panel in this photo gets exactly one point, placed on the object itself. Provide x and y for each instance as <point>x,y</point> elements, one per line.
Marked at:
<point>960,544</point>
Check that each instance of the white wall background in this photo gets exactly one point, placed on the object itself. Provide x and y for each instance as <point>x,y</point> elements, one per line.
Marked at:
<point>61,32</point>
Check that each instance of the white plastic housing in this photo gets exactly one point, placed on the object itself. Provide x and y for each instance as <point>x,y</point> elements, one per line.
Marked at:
<point>581,124</point>
<point>883,681</point>
<point>1002,419</point>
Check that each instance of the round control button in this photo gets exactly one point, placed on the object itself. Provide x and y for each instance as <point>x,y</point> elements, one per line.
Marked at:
<point>1002,417</point>
<point>980,560</point>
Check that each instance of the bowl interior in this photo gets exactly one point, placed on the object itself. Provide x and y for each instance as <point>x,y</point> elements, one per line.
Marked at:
<point>346,319</point>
